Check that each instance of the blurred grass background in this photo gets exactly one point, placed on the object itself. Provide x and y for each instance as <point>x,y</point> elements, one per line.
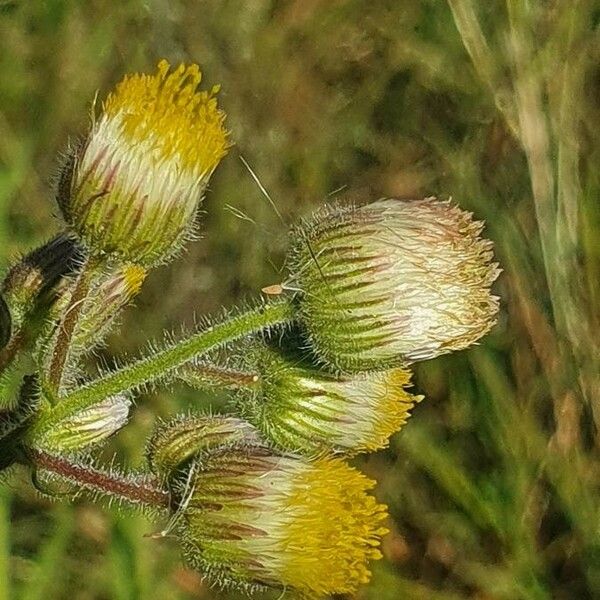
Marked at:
<point>493,486</point>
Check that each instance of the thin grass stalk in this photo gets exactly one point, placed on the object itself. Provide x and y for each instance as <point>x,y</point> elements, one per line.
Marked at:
<point>483,60</point>
<point>5,571</point>
<point>44,582</point>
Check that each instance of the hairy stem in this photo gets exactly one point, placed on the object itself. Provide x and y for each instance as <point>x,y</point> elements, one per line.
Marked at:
<point>161,363</point>
<point>68,322</point>
<point>10,351</point>
<point>127,487</point>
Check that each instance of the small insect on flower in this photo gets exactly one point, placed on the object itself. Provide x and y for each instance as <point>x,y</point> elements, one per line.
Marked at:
<point>393,281</point>
<point>132,189</point>
<point>301,408</point>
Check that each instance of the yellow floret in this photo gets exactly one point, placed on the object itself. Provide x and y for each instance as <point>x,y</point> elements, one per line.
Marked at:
<point>335,530</point>
<point>392,410</point>
<point>133,278</point>
<point>166,108</point>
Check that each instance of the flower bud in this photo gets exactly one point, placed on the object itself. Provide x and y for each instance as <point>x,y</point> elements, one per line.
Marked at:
<point>132,189</point>
<point>301,408</point>
<point>393,281</point>
<point>251,519</point>
<point>105,302</point>
<point>38,274</point>
<point>176,442</point>
<point>87,427</point>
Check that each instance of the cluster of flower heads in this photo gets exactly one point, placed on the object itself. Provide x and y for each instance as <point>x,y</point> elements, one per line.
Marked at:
<point>263,498</point>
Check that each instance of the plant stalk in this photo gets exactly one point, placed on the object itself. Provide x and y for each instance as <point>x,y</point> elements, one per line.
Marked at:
<point>161,363</point>
<point>130,488</point>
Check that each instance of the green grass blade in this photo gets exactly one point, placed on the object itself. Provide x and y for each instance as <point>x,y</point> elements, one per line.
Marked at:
<point>47,577</point>
<point>5,578</point>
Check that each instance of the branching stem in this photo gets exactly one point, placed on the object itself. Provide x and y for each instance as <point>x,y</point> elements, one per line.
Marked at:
<point>159,364</point>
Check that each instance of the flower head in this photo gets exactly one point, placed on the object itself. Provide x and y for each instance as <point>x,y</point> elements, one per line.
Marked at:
<point>37,277</point>
<point>175,443</point>
<point>393,281</point>
<point>106,301</point>
<point>87,427</point>
<point>133,188</point>
<point>250,519</point>
<point>301,408</point>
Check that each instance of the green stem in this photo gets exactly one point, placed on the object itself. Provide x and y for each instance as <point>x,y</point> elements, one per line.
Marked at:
<point>160,363</point>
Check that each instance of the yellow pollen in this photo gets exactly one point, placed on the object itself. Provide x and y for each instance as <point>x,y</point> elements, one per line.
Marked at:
<point>336,530</point>
<point>167,111</point>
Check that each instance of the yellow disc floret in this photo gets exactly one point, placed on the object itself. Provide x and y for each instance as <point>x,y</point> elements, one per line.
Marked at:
<point>391,407</point>
<point>333,529</point>
<point>131,191</point>
<point>254,519</point>
<point>168,109</point>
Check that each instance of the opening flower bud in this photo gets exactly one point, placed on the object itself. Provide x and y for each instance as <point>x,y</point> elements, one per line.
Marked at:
<point>251,519</point>
<point>132,189</point>
<point>106,300</point>
<point>301,408</point>
<point>393,281</point>
<point>87,427</point>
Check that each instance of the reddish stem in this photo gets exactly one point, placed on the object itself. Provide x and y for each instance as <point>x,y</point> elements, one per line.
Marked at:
<point>129,487</point>
<point>68,322</point>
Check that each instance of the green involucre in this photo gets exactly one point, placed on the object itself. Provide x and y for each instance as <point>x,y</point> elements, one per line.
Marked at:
<point>392,281</point>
